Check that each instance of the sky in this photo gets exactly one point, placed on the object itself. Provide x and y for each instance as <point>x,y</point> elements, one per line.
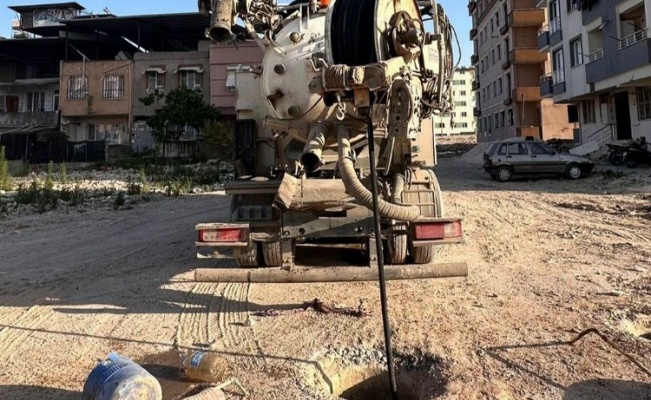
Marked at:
<point>457,11</point>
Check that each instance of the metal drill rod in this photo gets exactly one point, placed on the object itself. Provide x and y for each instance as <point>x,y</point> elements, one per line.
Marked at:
<point>380,261</point>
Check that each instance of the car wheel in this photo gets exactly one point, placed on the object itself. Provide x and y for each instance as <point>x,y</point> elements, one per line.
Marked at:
<point>504,173</point>
<point>573,171</point>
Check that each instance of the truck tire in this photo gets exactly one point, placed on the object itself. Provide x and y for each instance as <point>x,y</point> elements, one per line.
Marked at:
<point>273,255</point>
<point>397,246</point>
<point>423,254</point>
<point>247,258</point>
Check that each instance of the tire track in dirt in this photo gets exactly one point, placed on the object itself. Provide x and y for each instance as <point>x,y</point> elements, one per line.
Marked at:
<point>193,319</point>
<point>11,337</point>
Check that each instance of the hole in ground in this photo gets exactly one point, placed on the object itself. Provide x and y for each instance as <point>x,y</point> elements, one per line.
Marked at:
<point>418,377</point>
<point>639,326</point>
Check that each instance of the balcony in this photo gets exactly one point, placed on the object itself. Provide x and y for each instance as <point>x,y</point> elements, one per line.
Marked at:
<point>473,33</point>
<point>472,6</point>
<point>546,86</point>
<point>555,31</point>
<point>526,93</point>
<point>603,64</point>
<point>506,64</point>
<point>595,55</point>
<point>523,18</point>
<point>474,59</point>
<point>558,81</point>
<point>508,100</point>
<point>476,112</point>
<point>504,29</point>
<point>526,131</point>
<point>527,56</point>
<point>541,4</point>
<point>21,119</point>
<point>543,38</point>
<point>475,85</point>
<point>631,39</point>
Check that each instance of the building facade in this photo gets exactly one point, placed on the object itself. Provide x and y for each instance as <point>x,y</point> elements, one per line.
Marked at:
<point>163,72</point>
<point>465,122</point>
<point>601,62</point>
<point>508,67</point>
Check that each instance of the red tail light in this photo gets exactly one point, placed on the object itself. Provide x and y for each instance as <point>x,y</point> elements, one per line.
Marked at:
<point>437,230</point>
<point>230,235</point>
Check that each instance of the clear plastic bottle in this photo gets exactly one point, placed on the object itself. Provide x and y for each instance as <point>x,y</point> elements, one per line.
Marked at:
<point>202,366</point>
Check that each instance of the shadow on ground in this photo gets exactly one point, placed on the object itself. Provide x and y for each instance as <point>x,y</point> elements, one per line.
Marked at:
<point>607,389</point>
<point>24,392</point>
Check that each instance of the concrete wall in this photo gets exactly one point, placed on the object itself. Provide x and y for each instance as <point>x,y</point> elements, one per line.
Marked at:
<point>555,121</point>
<point>94,104</point>
<point>170,62</point>
<point>32,118</point>
<point>223,56</point>
<point>77,128</point>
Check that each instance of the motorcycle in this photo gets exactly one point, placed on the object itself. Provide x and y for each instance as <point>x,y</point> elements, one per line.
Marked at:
<point>637,153</point>
<point>616,154</point>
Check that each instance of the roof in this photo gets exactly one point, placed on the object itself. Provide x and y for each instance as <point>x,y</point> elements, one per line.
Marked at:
<point>167,32</point>
<point>32,7</point>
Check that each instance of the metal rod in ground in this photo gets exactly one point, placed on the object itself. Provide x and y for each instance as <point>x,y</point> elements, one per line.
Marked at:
<point>380,261</point>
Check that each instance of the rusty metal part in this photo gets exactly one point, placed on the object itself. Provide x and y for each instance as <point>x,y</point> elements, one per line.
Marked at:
<point>317,306</point>
<point>605,338</point>
<point>316,141</point>
<point>330,274</point>
<point>222,21</point>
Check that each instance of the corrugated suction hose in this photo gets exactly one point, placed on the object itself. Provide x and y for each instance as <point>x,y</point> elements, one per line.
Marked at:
<point>364,196</point>
<point>213,393</point>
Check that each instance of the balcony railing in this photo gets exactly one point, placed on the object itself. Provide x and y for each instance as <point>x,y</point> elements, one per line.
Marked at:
<point>504,29</point>
<point>546,83</point>
<point>472,5</point>
<point>632,39</point>
<point>558,76</point>
<point>555,25</point>
<point>474,59</point>
<point>544,30</point>
<point>473,33</point>
<point>595,55</point>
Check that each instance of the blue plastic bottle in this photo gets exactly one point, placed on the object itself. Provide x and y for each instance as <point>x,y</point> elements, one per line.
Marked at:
<point>119,378</point>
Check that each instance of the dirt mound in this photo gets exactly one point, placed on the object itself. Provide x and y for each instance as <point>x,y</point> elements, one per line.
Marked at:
<point>475,155</point>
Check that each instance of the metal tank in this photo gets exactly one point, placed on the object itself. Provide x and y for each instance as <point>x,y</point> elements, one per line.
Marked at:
<point>335,75</point>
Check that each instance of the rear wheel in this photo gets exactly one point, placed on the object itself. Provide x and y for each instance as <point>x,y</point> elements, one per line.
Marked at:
<point>247,257</point>
<point>573,171</point>
<point>397,246</point>
<point>273,255</point>
<point>423,254</point>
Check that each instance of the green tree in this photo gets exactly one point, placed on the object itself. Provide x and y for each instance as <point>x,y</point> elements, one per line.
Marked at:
<point>181,107</point>
<point>219,134</point>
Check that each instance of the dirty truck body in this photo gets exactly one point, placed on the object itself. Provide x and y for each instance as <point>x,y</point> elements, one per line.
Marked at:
<point>332,72</point>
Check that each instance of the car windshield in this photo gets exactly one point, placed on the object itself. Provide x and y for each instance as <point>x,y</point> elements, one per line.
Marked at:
<point>540,148</point>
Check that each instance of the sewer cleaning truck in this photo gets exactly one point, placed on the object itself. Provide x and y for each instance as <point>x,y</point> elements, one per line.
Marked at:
<point>345,92</point>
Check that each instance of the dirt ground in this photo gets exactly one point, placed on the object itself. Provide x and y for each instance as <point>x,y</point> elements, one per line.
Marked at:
<point>548,258</point>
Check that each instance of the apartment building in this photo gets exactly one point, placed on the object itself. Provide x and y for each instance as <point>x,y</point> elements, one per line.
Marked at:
<point>508,67</point>
<point>163,72</point>
<point>96,104</point>
<point>601,57</point>
<point>465,122</point>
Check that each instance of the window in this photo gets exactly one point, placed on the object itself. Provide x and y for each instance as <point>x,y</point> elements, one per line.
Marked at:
<point>518,149</point>
<point>502,118</point>
<point>463,93</point>
<point>499,52</point>
<point>463,125</point>
<point>502,150</point>
<point>464,114</point>
<point>497,18</point>
<point>554,17</point>
<point>113,87</point>
<point>493,57</point>
<point>576,52</point>
<point>55,100</point>
<point>572,5</point>
<point>92,134</point>
<point>190,79</point>
<point>460,103</point>
<point>190,133</point>
<point>155,81</point>
<point>587,107</point>
<point>77,87</point>
<point>558,66</point>
<point>509,117</point>
<point>459,82</point>
<point>499,85</point>
<point>643,103</point>
<point>495,121</point>
<point>35,102</point>
<point>440,125</point>
<point>537,148</point>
